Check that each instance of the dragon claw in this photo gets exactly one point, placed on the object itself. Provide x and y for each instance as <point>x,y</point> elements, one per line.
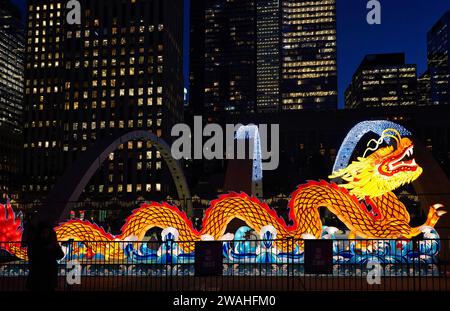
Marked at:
<point>441,213</point>
<point>437,206</point>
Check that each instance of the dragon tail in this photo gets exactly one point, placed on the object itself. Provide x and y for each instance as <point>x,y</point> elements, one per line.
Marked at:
<point>11,231</point>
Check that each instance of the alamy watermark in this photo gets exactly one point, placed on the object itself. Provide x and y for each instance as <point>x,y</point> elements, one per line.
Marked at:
<point>374,273</point>
<point>73,16</point>
<point>73,272</point>
<point>219,145</point>
<point>374,14</point>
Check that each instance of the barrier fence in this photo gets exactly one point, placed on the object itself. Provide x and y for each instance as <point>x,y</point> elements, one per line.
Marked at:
<point>235,265</point>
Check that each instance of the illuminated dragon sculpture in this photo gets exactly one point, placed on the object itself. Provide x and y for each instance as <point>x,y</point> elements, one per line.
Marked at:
<point>365,203</point>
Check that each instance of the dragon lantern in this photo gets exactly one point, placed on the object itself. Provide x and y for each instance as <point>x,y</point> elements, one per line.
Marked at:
<point>364,202</point>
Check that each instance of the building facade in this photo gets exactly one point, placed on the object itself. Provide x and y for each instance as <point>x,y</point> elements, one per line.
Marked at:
<point>11,96</point>
<point>197,64</point>
<point>382,80</point>
<point>229,58</point>
<point>424,89</point>
<point>438,60</point>
<point>309,55</point>
<point>119,70</point>
<point>268,70</point>
<point>263,56</point>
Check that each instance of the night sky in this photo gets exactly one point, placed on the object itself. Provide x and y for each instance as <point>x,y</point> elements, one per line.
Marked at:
<point>403,28</point>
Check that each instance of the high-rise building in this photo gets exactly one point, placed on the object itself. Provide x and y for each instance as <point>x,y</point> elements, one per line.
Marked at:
<point>197,63</point>
<point>230,65</point>
<point>424,89</point>
<point>119,70</point>
<point>11,96</point>
<point>268,25</point>
<point>11,65</point>
<point>264,55</point>
<point>309,54</point>
<point>383,80</point>
<point>438,60</point>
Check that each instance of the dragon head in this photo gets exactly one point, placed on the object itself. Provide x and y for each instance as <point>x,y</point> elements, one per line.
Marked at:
<point>385,170</point>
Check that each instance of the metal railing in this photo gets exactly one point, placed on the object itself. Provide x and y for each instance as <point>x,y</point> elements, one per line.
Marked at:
<point>402,265</point>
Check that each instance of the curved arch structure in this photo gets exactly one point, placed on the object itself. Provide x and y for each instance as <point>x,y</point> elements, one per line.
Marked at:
<point>70,186</point>
<point>357,132</point>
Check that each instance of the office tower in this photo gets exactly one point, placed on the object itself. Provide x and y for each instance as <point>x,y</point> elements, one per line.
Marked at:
<point>119,70</point>
<point>230,65</point>
<point>438,60</point>
<point>197,63</point>
<point>424,89</point>
<point>263,55</point>
<point>309,54</point>
<point>268,55</point>
<point>382,80</point>
<point>11,97</point>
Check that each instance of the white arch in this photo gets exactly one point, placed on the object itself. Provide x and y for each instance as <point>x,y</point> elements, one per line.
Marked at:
<point>70,186</point>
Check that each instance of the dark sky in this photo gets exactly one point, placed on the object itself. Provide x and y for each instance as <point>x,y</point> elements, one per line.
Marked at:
<point>403,28</point>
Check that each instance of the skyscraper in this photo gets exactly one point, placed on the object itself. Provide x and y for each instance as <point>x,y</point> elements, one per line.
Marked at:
<point>11,95</point>
<point>197,64</point>
<point>424,89</point>
<point>230,64</point>
<point>438,60</point>
<point>268,25</point>
<point>309,54</point>
<point>382,80</point>
<point>266,55</point>
<point>11,65</point>
<point>119,70</point>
